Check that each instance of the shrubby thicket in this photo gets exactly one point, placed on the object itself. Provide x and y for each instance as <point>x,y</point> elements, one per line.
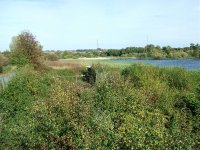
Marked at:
<point>3,61</point>
<point>139,107</point>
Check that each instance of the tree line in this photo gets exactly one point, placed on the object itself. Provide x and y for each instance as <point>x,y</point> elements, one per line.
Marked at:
<point>25,49</point>
<point>148,52</point>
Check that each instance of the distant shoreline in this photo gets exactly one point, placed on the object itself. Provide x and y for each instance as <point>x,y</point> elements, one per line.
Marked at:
<point>95,58</point>
<point>86,58</point>
<point>109,58</point>
<point>98,58</point>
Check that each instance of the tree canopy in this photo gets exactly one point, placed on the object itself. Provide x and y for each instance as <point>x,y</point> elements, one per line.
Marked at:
<point>26,49</point>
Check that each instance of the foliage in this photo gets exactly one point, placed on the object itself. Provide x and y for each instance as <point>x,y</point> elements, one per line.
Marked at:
<point>26,49</point>
<point>89,75</point>
<point>137,107</point>
<point>16,102</point>
<point>51,57</point>
<point>148,52</point>
<point>3,61</point>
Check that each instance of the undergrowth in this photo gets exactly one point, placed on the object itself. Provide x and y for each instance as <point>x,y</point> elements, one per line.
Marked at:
<point>137,107</point>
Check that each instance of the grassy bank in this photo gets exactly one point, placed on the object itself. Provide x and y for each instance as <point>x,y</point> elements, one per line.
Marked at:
<point>82,63</point>
<point>130,106</point>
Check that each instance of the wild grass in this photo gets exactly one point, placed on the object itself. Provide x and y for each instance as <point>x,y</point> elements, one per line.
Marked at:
<point>63,64</point>
<point>81,64</point>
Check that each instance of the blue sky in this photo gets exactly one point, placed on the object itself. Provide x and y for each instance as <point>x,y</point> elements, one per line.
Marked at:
<point>78,24</point>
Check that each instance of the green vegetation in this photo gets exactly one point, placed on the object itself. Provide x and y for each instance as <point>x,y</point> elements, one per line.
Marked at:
<point>138,106</point>
<point>25,50</point>
<point>3,62</point>
<point>118,107</point>
<point>148,52</point>
<point>89,75</point>
<point>51,56</point>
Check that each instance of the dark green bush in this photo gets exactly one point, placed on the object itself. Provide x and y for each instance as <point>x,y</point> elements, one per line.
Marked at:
<point>89,75</point>
<point>179,79</point>
<point>16,101</point>
<point>139,74</point>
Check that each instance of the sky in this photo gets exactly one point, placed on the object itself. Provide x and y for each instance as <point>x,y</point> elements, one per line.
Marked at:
<point>78,24</point>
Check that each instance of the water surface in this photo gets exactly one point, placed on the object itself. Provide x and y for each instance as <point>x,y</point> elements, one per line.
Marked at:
<point>186,63</point>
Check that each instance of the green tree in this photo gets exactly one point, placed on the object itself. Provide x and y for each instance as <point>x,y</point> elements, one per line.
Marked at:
<point>26,49</point>
<point>196,50</point>
<point>150,47</point>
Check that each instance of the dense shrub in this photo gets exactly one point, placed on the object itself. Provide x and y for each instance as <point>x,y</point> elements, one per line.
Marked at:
<point>89,75</point>
<point>139,107</point>
<point>180,79</point>
<point>16,102</point>
<point>1,69</point>
<point>3,61</point>
<point>51,57</point>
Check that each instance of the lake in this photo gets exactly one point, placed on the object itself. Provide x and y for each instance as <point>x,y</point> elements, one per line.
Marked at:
<point>186,63</point>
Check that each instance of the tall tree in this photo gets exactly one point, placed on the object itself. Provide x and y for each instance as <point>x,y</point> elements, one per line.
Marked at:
<point>26,49</point>
<point>196,50</point>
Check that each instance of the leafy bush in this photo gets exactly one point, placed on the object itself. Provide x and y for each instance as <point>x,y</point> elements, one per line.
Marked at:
<point>3,61</point>
<point>139,107</point>
<point>89,75</point>
<point>180,79</point>
<point>51,57</point>
<point>16,102</point>
<point>1,69</point>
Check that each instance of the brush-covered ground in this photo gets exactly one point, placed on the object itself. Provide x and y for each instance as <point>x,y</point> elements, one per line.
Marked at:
<point>129,107</point>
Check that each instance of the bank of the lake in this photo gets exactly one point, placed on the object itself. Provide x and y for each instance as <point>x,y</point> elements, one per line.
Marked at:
<point>189,64</point>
